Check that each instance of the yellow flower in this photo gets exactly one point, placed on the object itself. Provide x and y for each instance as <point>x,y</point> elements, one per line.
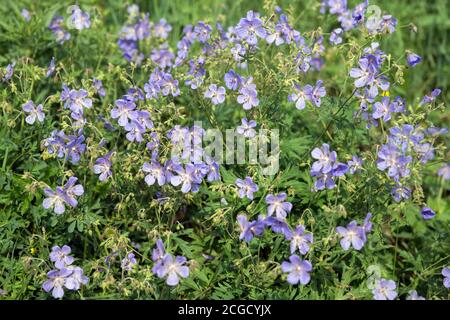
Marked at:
<point>385,93</point>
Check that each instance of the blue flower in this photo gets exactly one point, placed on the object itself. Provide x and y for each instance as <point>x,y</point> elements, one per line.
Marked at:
<point>246,187</point>
<point>51,68</point>
<point>444,171</point>
<point>103,166</point>
<point>353,235</point>
<point>246,129</point>
<point>35,112</point>
<point>173,269</point>
<point>427,213</point>
<point>216,94</point>
<point>413,295</point>
<point>314,94</point>
<point>249,229</point>
<point>278,205</point>
<point>128,262</point>
<point>250,27</point>
<point>446,273</point>
<point>384,290</point>
<point>300,240</point>
<point>155,173</point>
<point>413,59</point>
<point>232,80</point>
<point>335,37</point>
<point>61,257</point>
<point>299,97</point>
<point>298,270</point>
<point>79,19</point>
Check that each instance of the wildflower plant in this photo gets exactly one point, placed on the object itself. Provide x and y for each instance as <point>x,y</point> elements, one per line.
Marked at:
<point>267,151</point>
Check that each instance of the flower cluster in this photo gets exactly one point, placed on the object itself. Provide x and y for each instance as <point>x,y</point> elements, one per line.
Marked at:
<point>64,195</point>
<point>65,275</point>
<point>326,168</point>
<point>406,145</point>
<point>69,147</point>
<point>298,270</point>
<point>186,167</point>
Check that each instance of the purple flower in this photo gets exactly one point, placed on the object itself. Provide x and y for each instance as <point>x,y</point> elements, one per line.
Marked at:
<point>26,15</point>
<point>135,131</point>
<point>61,257</point>
<point>298,270</point>
<point>246,187</point>
<point>232,80</point>
<point>278,205</point>
<point>202,31</point>
<point>98,86</point>
<point>79,19</point>
<point>431,97</point>
<point>76,101</point>
<point>382,110</point>
<point>103,166</point>
<point>278,225</point>
<point>413,59</point>
<point>74,148</point>
<point>187,178</point>
<point>76,279</point>
<point>446,273</point>
<point>169,85</point>
<point>213,170</point>
<point>56,26</point>
<point>173,269</point>
<point>400,193</point>
<point>413,295</point>
<point>354,235</point>
<point>389,157</point>
<point>427,213</point>
<point>57,279</point>
<point>444,171</point>
<point>34,112</point>
<point>54,199</point>
<point>335,37</point>
<point>387,24</point>
<point>355,164</point>
<point>162,57</point>
<point>216,94</point>
<point>72,190</point>
<point>155,173</point>
<point>314,94</point>
<point>123,111</point>
<point>128,262</point>
<point>51,68</point>
<point>384,290</point>
<point>325,159</point>
<point>161,29</point>
<point>158,254</point>
<point>298,96</point>
<point>337,6</point>
<point>246,129</point>
<point>300,240</point>
<point>248,98</point>
<point>364,75</point>
<point>249,229</point>
<point>250,27</point>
